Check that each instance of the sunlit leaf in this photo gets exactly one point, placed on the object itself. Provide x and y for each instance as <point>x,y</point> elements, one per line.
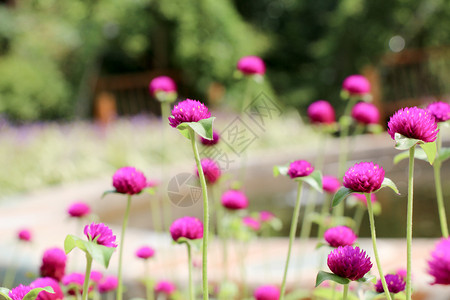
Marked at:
<point>99,253</point>
<point>314,180</point>
<point>5,293</point>
<point>32,295</point>
<point>340,195</point>
<point>108,192</point>
<point>430,151</point>
<point>403,142</point>
<point>418,153</point>
<point>367,278</point>
<point>323,276</point>
<point>390,184</point>
<point>280,170</point>
<point>204,128</point>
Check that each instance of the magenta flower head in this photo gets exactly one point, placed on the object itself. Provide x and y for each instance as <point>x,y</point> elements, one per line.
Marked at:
<point>79,209</point>
<point>414,123</point>
<point>75,281</point>
<point>395,284</point>
<point>101,234</point>
<point>267,292</point>
<point>19,292</point>
<point>165,287</point>
<point>214,141</point>
<point>330,184</point>
<point>24,235</point>
<point>162,84</point>
<point>234,200</point>
<point>188,111</point>
<point>362,198</point>
<point>186,227</point>
<point>266,216</point>
<point>53,263</point>
<point>251,65</point>
<point>356,85</point>
<point>251,223</point>
<point>128,180</point>
<point>96,276</point>
<point>439,265</point>
<point>321,112</point>
<point>364,177</point>
<point>365,113</point>
<point>439,110</point>
<point>340,236</point>
<point>44,282</point>
<point>109,284</point>
<point>300,168</point>
<point>349,262</point>
<point>211,170</point>
<point>145,252</point>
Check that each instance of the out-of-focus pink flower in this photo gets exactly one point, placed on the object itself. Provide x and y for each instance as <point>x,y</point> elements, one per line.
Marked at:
<point>162,84</point>
<point>211,170</point>
<point>101,233</point>
<point>364,177</point>
<point>267,292</point>
<point>365,113</point>
<point>44,282</point>
<point>75,281</point>
<point>128,180</point>
<point>19,292</point>
<point>79,209</point>
<point>439,264</point>
<point>340,236</point>
<point>266,216</point>
<point>53,263</point>
<point>214,141</point>
<point>187,227</point>
<point>330,184</point>
<point>300,168</point>
<point>251,65</point>
<point>321,112</point>
<point>188,111</point>
<point>109,284</point>
<point>413,123</point>
<point>394,282</point>
<point>439,110</point>
<point>251,223</point>
<point>145,252</point>
<point>362,198</point>
<point>24,235</point>
<point>165,287</point>
<point>356,85</point>
<point>96,276</point>
<point>234,200</point>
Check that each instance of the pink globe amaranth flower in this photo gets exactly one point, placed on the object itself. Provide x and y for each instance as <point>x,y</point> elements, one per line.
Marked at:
<point>76,281</point>
<point>439,265</point>
<point>44,282</point>
<point>53,263</point>
<point>101,234</point>
<point>96,276</point>
<point>109,284</point>
<point>234,200</point>
<point>402,272</point>
<point>439,110</point>
<point>330,184</point>
<point>340,236</point>
<point>188,111</point>
<point>165,287</point>
<point>162,84</point>
<point>214,141</point>
<point>145,252</point>
<point>24,235</point>
<point>300,168</point>
<point>266,216</point>
<point>19,292</point>
<point>365,113</point>
<point>251,65</point>
<point>267,292</point>
<point>395,284</point>
<point>362,198</point>
<point>321,112</point>
<point>364,177</point>
<point>211,170</point>
<point>79,209</point>
<point>128,180</point>
<point>349,262</point>
<point>187,227</point>
<point>414,123</point>
<point>356,85</point>
<point>251,223</point>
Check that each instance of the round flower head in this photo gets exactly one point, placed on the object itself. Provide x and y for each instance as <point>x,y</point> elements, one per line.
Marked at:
<point>162,84</point>
<point>330,184</point>
<point>215,139</point>
<point>79,209</point>
<point>365,113</point>
<point>394,282</point>
<point>96,276</point>
<point>267,292</point>
<point>234,200</point>
<point>439,110</point>
<point>101,234</point>
<point>300,168</point>
<point>251,223</point>
<point>349,262</point>
<point>402,272</point>
<point>439,265</point>
<point>251,65</point>
<point>188,111</point>
<point>362,198</point>
<point>53,263</point>
<point>24,235</point>
<point>44,282</point>
<point>165,287</point>
<point>75,281</point>
<point>364,177</point>
<point>356,85</point>
<point>211,170</point>
<point>187,227</point>
<point>266,216</point>
<point>19,292</point>
<point>321,112</point>
<point>109,284</point>
<point>145,252</point>
<point>340,236</point>
<point>128,180</point>
<point>414,123</point>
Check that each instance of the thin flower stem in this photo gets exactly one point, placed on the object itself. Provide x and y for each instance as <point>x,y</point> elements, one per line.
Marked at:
<point>358,217</point>
<point>191,284</point>
<point>374,243</point>
<point>344,296</point>
<point>409,221</point>
<point>205,215</point>
<point>165,204</point>
<point>148,282</point>
<point>87,276</point>
<point>122,239</point>
<point>294,223</point>
<point>438,185</point>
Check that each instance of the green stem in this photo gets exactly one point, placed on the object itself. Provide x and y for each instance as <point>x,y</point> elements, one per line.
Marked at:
<point>243,254</point>
<point>358,217</point>
<point>344,296</point>
<point>294,223</point>
<point>205,215</point>
<point>148,282</point>
<point>325,211</point>
<point>247,93</point>
<point>409,220</point>
<point>439,195</point>
<point>191,284</point>
<point>166,209</point>
<point>374,243</point>
<point>122,239</point>
<point>87,276</point>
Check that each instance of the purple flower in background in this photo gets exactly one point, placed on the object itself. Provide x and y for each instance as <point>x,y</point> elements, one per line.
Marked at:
<point>44,282</point>
<point>266,216</point>
<point>19,292</point>
<point>108,284</point>
<point>356,85</point>
<point>439,265</point>
<point>251,65</point>
<point>365,113</point>
<point>414,123</point>
<point>76,281</point>
<point>53,263</point>
<point>96,276</point>
<point>215,139</point>
<point>349,262</point>
<point>395,284</point>
<point>402,273</point>
<point>128,180</point>
<point>330,184</point>
<point>211,170</point>
<point>251,223</point>
<point>364,177</point>
<point>362,198</point>
<point>101,234</point>
<point>321,111</point>
<point>165,287</point>
<point>162,84</point>
<point>24,235</point>
<point>145,252</point>
<point>79,209</point>
<point>188,111</point>
<point>267,292</point>
<point>300,168</point>
<point>234,200</point>
<point>340,236</point>
<point>439,110</point>
<point>187,227</point>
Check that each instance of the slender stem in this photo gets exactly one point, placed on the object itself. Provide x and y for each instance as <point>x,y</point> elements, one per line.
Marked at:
<point>122,239</point>
<point>344,296</point>
<point>409,220</point>
<point>294,223</point>
<point>374,243</point>
<point>358,217</point>
<point>306,224</point>
<point>247,93</point>
<point>205,215</point>
<point>224,239</point>
<point>148,282</point>
<point>438,185</point>
<point>243,254</point>
<point>87,276</point>
<point>191,284</point>
<point>165,204</point>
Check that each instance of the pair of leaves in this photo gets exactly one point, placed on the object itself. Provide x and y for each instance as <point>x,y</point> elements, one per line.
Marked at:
<point>31,295</point>
<point>323,276</point>
<point>314,179</point>
<point>203,128</point>
<point>99,253</point>
<point>419,153</point>
<point>404,143</point>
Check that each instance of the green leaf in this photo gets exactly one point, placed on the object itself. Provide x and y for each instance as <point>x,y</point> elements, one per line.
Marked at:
<point>314,180</point>
<point>32,295</point>
<point>99,253</point>
<point>341,195</point>
<point>150,190</point>
<point>418,153</point>
<point>280,170</point>
<point>390,184</point>
<point>367,278</point>
<point>430,151</point>
<point>404,143</point>
<point>107,193</point>
<point>444,154</point>
<point>323,276</point>
<point>203,128</point>
<point>70,243</point>
<point>5,293</point>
